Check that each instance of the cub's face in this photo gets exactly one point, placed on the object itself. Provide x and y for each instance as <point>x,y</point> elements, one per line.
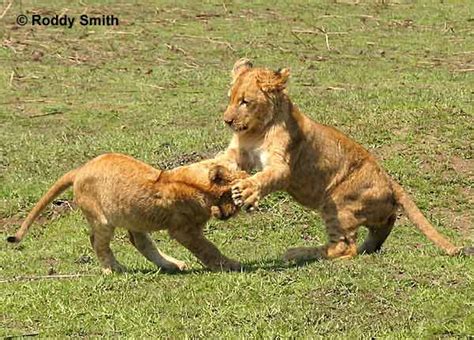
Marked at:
<point>249,109</point>
<point>252,97</point>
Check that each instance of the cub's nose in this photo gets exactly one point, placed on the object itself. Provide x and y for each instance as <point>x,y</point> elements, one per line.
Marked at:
<point>228,121</point>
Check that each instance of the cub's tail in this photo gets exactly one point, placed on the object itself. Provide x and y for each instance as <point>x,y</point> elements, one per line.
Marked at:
<point>416,216</point>
<point>62,184</point>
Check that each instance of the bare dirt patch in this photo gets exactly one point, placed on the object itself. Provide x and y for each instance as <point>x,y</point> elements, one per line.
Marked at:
<point>188,158</point>
<point>180,160</point>
<point>462,222</point>
<point>463,166</point>
<point>387,151</point>
<point>58,208</point>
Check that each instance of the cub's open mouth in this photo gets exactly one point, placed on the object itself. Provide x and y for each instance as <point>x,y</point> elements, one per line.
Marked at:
<point>240,128</point>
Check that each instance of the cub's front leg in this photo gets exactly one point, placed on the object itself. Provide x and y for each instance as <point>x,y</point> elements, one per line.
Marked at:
<point>234,159</point>
<point>248,192</point>
<point>145,245</point>
<point>195,241</point>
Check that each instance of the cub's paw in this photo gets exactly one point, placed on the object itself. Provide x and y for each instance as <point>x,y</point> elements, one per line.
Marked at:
<point>234,266</point>
<point>116,268</point>
<point>175,266</point>
<point>107,271</point>
<point>246,193</point>
<point>181,265</point>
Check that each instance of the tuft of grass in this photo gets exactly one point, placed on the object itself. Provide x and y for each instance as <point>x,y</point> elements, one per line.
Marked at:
<point>393,75</point>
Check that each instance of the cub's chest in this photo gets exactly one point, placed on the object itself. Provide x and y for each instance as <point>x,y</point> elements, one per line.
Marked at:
<point>256,158</point>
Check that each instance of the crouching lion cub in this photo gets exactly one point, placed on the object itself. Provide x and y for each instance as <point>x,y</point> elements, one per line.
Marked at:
<point>115,190</point>
<point>318,165</point>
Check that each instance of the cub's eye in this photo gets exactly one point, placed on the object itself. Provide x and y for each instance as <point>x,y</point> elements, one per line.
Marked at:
<point>244,102</point>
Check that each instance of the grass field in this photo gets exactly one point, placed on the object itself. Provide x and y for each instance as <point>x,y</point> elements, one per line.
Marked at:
<point>395,76</point>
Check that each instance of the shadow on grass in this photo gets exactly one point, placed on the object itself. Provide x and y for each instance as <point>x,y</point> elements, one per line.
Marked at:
<point>269,264</point>
<point>272,265</point>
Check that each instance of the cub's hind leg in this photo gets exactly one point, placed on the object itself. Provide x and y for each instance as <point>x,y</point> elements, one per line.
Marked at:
<point>101,233</point>
<point>194,240</point>
<point>377,236</point>
<point>100,237</point>
<point>146,246</point>
<point>341,229</point>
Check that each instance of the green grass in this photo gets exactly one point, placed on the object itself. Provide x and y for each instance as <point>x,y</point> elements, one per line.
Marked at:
<point>396,78</point>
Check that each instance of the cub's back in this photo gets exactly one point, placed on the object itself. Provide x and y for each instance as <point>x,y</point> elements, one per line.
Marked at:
<point>116,183</point>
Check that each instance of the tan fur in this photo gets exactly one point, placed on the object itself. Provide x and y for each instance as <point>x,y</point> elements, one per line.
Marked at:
<point>318,165</point>
<point>115,190</point>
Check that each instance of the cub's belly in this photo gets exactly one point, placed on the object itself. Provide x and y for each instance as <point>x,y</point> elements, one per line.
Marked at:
<point>307,197</point>
<point>307,189</point>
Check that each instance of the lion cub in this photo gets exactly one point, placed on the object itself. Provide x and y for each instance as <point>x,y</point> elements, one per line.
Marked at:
<point>319,166</point>
<point>115,190</point>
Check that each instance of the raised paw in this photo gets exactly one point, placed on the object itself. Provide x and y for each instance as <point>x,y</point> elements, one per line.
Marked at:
<point>246,193</point>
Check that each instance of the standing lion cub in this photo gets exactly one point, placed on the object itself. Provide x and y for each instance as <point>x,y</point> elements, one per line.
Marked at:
<point>115,190</point>
<point>318,165</point>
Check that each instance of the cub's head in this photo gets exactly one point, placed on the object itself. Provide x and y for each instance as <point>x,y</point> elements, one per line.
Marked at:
<point>254,95</point>
<point>221,180</point>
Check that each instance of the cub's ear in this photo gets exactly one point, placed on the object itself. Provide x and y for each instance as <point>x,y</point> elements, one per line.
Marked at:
<point>273,81</point>
<point>219,175</point>
<point>284,74</point>
<point>240,66</point>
